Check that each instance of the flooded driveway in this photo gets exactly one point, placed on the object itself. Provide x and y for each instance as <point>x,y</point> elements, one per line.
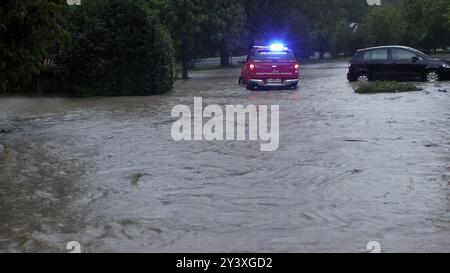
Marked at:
<point>350,169</point>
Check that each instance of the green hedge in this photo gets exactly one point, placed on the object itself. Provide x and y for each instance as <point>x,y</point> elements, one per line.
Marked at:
<point>386,87</point>
<point>114,48</point>
<point>26,30</point>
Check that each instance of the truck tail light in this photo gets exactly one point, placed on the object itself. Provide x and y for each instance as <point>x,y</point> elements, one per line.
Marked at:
<point>252,66</point>
<point>296,66</point>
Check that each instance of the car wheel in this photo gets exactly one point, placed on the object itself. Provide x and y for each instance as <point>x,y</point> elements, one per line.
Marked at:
<point>432,76</point>
<point>250,87</point>
<point>363,77</point>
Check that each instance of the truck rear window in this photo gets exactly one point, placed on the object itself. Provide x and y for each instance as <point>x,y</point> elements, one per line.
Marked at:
<point>269,56</point>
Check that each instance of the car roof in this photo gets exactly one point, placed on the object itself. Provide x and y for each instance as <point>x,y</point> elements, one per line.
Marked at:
<point>385,47</point>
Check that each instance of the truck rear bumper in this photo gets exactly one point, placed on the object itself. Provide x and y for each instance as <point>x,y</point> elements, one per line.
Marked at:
<point>283,83</point>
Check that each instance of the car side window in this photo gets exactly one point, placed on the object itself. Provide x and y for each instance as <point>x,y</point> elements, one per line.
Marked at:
<point>358,57</point>
<point>402,55</point>
<point>376,55</point>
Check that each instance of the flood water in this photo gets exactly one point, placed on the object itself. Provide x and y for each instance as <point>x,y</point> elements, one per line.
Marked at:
<point>350,169</point>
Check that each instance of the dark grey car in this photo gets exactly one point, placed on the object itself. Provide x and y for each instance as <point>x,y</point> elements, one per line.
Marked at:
<point>396,63</point>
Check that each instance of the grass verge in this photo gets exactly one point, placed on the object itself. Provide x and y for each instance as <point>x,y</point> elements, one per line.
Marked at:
<point>386,87</point>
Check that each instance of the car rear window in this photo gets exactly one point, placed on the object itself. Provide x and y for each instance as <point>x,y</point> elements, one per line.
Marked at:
<point>376,55</point>
<point>265,56</point>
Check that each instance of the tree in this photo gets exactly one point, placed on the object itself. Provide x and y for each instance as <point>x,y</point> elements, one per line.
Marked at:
<point>26,29</point>
<point>225,26</point>
<point>448,17</point>
<point>355,10</point>
<point>384,25</point>
<point>279,20</point>
<point>116,48</point>
<point>427,25</point>
<point>183,18</point>
<point>345,39</point>
<point>306,26</point>
<point>326,15</point>
<point>254,20</point>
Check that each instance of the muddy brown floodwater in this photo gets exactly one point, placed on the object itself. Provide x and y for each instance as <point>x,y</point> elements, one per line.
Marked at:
<point>350,169</point>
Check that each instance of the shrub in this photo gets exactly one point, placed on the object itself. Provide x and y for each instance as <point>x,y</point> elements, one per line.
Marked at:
<point>384,25</point>
<point>115,48</point>
<point>26,27</point>
<point>386,87</point>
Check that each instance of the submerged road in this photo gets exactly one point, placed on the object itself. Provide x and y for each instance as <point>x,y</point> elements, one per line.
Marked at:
<point>350,169</point>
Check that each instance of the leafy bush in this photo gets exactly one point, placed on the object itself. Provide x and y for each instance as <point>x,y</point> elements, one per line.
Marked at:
<point>115,48</point>
<point>384,25</point>
<point>386,87</point>
<point>26,27</point>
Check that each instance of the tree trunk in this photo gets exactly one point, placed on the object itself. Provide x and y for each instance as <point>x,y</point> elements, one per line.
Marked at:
<point>248,5</point>
<point>184,62</point>
<point>184,70</point>
<point>38,83</point>
<point>251,42</point>
<point>224,56</point>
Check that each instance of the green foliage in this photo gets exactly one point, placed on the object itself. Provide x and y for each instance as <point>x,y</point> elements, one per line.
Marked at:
<point>386,87</point>
<point>345,40</point>
<point>26,30</point>
<point>116,49</point>
<point>326,15</point>
<point>223,28</point>
<point>448,17</point>
<point>428,26</point>
<point>384,25</point>
<point>183,18</point>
